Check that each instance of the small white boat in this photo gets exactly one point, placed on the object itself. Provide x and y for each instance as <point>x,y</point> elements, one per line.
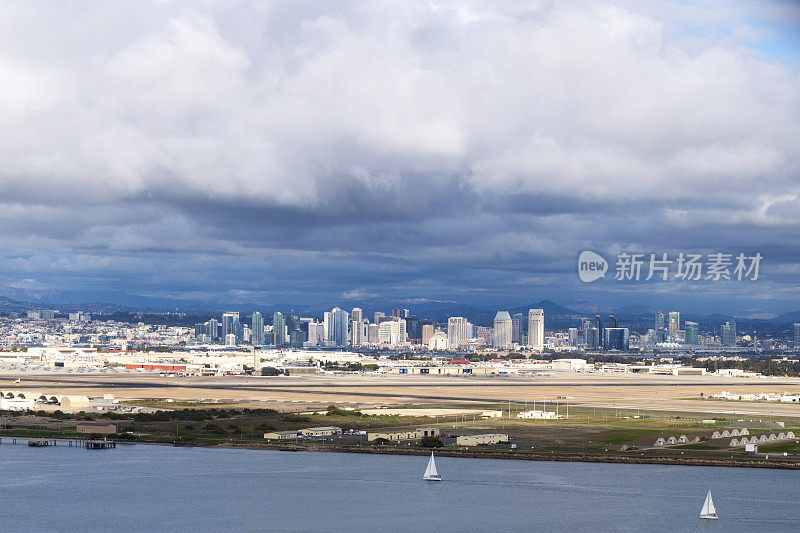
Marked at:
<point>430,473</point>
<point>709,512</point>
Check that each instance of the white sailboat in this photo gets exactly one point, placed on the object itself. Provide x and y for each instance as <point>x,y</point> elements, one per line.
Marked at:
<point>430,473</point>
<point>709,512</point>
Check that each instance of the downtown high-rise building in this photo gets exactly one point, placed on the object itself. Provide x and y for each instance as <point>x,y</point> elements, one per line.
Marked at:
<point>595,338</point>
<point>231,325</point>
<point>372,333</point>
<point>692,333</point>
<point>257,324</point>
<point>572,337</point>
<point>503,329</point>
<point>674,325</point>
<point>517,328</point>
<point>413,327</point>
<point>316,334</point>
<point>392,332</point>
<point>357,327</point>
<point>661,327</point>
<point>327,324</point>
<point>229,320</point>
<point>212,330</point>
<point>337,322</point>
<point>729,333</point>
<point>459,331</point>
<point>616,339</point>
<point>400,313</point>
<point>797,337</point>
<point>585,332</point>
<point>427,332</point>
<point>279,328</point>
<point>536,329</point>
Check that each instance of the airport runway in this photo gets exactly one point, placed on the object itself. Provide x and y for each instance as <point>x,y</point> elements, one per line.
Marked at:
<point>670,393</point>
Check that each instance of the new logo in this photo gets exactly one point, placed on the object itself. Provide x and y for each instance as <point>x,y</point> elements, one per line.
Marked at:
<point>591,266</point>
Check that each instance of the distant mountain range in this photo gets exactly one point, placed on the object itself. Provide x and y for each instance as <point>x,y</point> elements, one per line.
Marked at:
<point>110,300</point>
<point>793,316</point>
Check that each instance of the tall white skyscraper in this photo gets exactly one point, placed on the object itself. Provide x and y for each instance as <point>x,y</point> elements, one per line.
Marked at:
<point>338,326</point>
<point>327,326</point>
<point>458,332</point>
<point>536,329</point>
<point>230,323</point>
<point>503,330</point>
<point>357,327</point>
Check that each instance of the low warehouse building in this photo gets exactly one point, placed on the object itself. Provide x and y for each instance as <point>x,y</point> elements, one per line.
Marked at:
<point>96,427</point>
<point>477,440</point>
<point>281,435</point>
<point>545,415</point>
<point>16,404</point>
<point>74,401</point>
<point>413,434</point>
<point>688,371</point>
<point>571,365</point>
<point>322,431</point>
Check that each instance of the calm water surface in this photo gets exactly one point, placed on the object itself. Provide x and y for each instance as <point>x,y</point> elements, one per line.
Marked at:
<point>136,488</point>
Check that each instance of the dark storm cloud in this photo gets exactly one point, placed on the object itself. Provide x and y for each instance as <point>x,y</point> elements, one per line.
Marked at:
<point>251,151</point>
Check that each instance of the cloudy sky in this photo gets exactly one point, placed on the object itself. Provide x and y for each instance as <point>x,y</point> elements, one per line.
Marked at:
<point>315,151</point>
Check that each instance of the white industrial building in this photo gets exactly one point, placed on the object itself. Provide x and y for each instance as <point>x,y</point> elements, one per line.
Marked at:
<point>478,440</point>
<point>409,434</point>
<point>542,415</point>
<point>16,404</point>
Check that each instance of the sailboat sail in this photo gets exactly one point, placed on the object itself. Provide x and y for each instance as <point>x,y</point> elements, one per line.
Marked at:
<point>430,473</point>
<point>708,511</point>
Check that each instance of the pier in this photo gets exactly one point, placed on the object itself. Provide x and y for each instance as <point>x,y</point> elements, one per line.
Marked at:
<point>36,442</point>
<point>99,444</point>
<point>41,442</point>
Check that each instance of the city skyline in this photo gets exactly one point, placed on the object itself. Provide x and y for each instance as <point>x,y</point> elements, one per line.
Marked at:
<point>406,331</point>
<point>320,152</point>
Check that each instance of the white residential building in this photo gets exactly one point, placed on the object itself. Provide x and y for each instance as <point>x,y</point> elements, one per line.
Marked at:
<point>316,333</point>
<point>536,329</point>
<point>357,327</point>
<point>503,329</point>
<point>392,332</point>
<point>438,341</point>
<point>336,328</point>
<point>458,332</point>
<point>372,333</point>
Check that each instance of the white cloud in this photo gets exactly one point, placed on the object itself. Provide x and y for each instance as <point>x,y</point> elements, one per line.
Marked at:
<point>180,126</point>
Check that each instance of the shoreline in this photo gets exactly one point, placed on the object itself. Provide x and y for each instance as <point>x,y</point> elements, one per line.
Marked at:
<point>508,455</point>
<point>483,454</point>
